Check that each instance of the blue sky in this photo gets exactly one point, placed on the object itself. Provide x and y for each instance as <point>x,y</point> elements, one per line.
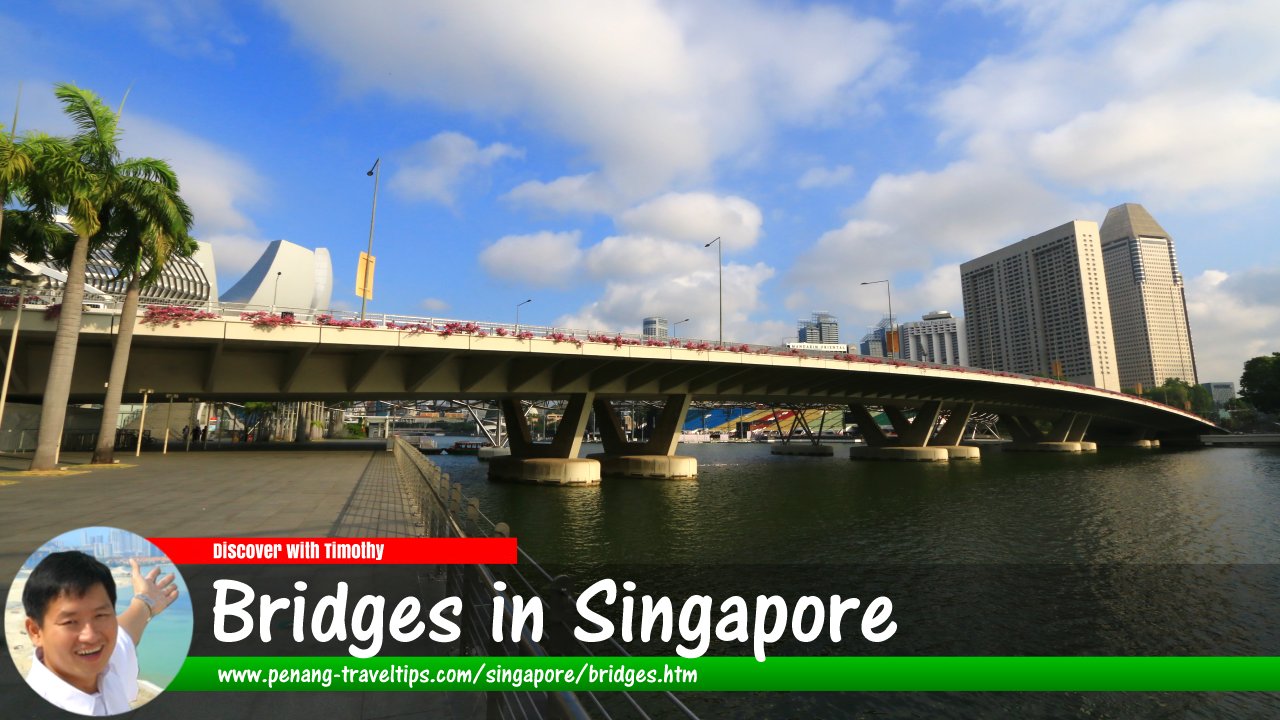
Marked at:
<point>582,153</point>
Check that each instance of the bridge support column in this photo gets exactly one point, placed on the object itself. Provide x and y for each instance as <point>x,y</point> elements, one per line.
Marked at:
<point>556,463</point>
<point>812,448</point>
<point>948,437</point>
<point>913,436</point>
<point>1028,438</point>
<point>653,458</point>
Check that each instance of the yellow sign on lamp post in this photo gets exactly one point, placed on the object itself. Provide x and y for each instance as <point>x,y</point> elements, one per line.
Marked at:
<point>364,276</point>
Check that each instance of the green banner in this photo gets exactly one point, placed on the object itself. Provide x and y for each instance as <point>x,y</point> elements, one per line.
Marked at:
<point>719,674</point>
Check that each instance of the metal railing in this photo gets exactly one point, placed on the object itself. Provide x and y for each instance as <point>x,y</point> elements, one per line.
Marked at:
<point>446,512</point>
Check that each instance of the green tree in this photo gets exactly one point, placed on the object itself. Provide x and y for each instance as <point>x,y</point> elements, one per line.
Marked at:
<point>86,178</point>
<point>144,242</point>
<point>15,166</point>
<point>1260,383</point>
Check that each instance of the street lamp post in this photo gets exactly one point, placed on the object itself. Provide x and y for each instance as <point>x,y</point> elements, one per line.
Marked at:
<point>142,420</point>
<point>890,334</point>
<point>376,173</point>
<point>275,294</point>
<point>168,422</point>
<point>676,325</point>
<point>13,344</point>
<point>720,271</point>
<point>518,306</point>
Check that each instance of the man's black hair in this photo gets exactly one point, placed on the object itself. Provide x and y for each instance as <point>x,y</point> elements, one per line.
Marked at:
<point>72,573</point>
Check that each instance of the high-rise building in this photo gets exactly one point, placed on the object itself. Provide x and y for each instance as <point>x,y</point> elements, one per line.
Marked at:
<point>1039,307</point>
<point>874,344</point>
<point>655,327</point>
<point>1148,304</point>
<point>938,337</point>
<point>821,328</point>
<point>1222,392</point>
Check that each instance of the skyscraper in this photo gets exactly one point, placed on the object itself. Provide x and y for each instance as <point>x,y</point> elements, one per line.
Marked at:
<point>655,327</point>
<point>821,328</point>
<point>1039,307</point>
<point>937,338</point>
<point>1148,305</point>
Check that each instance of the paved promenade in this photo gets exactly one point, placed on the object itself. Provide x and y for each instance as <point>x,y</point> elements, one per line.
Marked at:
<point>282,493</point>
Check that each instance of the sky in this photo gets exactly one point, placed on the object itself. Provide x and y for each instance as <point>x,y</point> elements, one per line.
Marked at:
<point>582,154</point>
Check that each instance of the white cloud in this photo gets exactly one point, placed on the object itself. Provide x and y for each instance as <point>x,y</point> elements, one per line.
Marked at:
<point>1218,150</point>
<point>630,256</point>
<point>433,169</point>
<point>654,94</point>
<point>544,259</point>
<point>821,177</point>
<point>1233,317</point>
<point>691,294</point>
<point>586,193</point>
<point>697,217</point>
<point>433,305</point>
<point>216,183</point>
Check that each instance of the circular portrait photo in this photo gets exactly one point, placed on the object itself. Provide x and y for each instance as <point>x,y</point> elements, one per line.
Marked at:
<point>98,621</point>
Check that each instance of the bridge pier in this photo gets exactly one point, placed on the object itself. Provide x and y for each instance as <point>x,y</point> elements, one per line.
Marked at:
<point>949,436</point>
<point>911,444</point>
<point>556,463</point>
<point>1065,436</point>
<point>652,458</point>
<point>812,448</point>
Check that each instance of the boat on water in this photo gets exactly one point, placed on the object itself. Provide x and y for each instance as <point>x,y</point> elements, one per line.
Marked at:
<point>461,447</point>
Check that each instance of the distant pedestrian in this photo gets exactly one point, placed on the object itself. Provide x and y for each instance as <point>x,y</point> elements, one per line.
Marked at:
<point>186,430</point>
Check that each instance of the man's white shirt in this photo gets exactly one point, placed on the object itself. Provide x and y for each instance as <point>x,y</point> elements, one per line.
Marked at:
<point>117,685</point>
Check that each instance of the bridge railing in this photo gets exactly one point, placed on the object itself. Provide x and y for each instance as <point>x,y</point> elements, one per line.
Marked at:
<point>447,512</point>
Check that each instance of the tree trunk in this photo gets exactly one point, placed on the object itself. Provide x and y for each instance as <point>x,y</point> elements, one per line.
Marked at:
<point>104,452</point>
<point>57,389</point>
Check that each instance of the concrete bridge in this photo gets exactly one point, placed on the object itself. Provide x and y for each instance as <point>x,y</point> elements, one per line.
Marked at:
<point>928,406</point>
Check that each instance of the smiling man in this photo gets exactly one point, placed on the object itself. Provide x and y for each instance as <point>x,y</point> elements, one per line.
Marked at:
<point>83,662</point>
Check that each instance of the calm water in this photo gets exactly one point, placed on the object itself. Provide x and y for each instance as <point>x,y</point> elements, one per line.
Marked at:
<point>1120,552</point>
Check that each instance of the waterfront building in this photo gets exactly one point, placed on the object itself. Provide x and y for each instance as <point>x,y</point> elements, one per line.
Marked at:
<point>1039,307</point>
<point>655,327</point>
<point>822,328</point>
<point>938,337</point>
<point>1147,298</point>
<point>287,276</point>
<point>190,280</point>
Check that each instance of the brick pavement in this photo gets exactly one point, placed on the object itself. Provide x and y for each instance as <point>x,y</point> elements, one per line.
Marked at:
<point>306,493</point>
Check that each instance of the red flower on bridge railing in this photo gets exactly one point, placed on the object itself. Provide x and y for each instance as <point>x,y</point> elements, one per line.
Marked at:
<point>330,321</point>
<point>174,315</point>
<point>461,328</point>
<point>268,320</point>
<point>559,337</point>
<point>53,312</point>
<point>411,328</point>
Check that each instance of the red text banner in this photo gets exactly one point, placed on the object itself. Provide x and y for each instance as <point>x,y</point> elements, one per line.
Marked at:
<point>339,551</point>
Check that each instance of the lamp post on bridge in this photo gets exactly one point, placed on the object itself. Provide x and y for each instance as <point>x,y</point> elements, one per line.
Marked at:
<point>142,420</point>
<point>677,324</point>
<point>366,262</point>
<point>890,335</point>
<point>275,294</point>
<point>518,306</point>
<point>720,271</point>
<point>168,421</point>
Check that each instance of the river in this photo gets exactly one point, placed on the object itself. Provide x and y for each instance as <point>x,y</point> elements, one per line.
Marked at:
<point>1125,552</point>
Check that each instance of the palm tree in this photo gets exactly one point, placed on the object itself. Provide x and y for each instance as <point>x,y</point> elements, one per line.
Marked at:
<point>143,243</point>
<point>15,164</point>
<point>87,178</point>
